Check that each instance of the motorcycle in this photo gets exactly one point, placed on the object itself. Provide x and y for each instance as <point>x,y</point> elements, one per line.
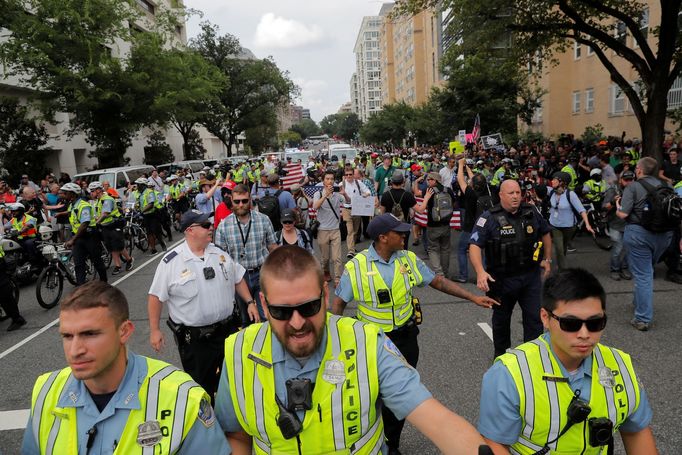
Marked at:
<point>17,258</point>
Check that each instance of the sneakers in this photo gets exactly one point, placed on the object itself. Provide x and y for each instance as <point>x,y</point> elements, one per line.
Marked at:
<point>625,274</point>
<point>153,252</point>
<point>350,255</point>
<point>459,280</point>
<point>129,264</point>
<point>571,249</point>
<point>116,271</point>
<point>615,276</point>
<point>163,246</point>
<point>639,325</point>
<point>16,324</point>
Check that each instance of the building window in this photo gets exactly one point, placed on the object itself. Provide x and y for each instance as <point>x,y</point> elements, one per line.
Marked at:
<point>576,102</point>
<point>590,51</point>
<point>577,50</point>
<point>145,5</point>
<point>589,100</point>
<point>617,100</point>
<point>675,94</point>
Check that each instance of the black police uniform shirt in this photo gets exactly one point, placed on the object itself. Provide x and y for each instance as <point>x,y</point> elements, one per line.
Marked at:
<point>487,226</point>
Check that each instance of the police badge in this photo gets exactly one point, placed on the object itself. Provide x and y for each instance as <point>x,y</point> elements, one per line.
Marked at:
<point>606,377</point>
<point>334,372</point>
<point>149,433</point>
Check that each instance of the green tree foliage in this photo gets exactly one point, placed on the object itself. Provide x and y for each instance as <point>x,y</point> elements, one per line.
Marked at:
<point>345,125</point>
<point>256,87</point>
<point>389,125</point>
<point>307,128</point>
<point>289,138</point>
<point>22,142</point>
<point>261,138</point>
<point>157,151</point>
<point>194,147</point>
<point>593,134</point>
<point>529,32</point>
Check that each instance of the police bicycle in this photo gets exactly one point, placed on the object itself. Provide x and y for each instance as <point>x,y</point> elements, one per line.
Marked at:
<point>599,225</point>
<point>134,233</point>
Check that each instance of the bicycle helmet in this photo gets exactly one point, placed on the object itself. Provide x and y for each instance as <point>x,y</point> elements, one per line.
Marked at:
<point>171,178</point>
<point>16,207</point>
<point>45,232</point>
<point>141,181</point>
<point>95,186</point>
<point>594,172</point>
<point>71,187</point>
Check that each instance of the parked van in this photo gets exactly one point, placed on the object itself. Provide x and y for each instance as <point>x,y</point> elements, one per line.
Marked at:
<point>193,165</point>
<point>118,177</point>
<point>350,153</point>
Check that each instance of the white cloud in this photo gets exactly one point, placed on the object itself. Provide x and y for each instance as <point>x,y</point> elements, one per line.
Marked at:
<point>276,32</point>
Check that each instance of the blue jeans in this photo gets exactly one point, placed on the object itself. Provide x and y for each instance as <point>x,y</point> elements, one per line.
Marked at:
<point>619,254</point>
<point>644,250</point>
<point>462,248</point>
<point>253,282</point>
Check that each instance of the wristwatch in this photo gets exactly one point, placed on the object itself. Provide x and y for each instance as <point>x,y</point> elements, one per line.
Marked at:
<point>251,302</point>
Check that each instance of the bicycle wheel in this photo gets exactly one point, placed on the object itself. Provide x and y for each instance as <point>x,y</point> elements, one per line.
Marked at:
<point>106,256</point>
<point>141,240</point>
<point>49,287</point>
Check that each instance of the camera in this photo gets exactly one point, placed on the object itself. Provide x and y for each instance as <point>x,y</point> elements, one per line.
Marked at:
<point>299,394</point>
<point>209,273</point>
<point>600,430</point>
<point>337,189</point>
<point>578,410</point>
<point>384,296</point>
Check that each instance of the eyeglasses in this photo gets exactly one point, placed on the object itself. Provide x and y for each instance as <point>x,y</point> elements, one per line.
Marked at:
<point>285,312</point>
<point>349,175</point>
<point>287,222</point>
<point>575,324</point>
<point>240,201</point>
<point>204,225</point>
<point>430,178</point>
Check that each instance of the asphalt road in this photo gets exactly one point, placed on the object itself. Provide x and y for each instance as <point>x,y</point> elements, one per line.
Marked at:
<point>455,350</point>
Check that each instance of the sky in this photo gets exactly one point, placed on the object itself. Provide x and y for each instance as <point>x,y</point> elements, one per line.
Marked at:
<point>312,39</point>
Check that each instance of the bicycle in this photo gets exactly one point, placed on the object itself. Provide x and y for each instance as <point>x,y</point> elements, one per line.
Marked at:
<point>135,235</point>
<point>50,284</point>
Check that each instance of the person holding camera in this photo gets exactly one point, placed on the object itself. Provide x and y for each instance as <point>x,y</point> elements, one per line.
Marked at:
<point>327,202</point>
<point>565,392</point>
<point>310,382</point>
<point>197,281</point>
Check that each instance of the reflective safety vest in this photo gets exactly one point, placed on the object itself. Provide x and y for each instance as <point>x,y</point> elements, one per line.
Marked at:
<point>146,198</point>
<point>113,215</point>
<point>175,191</point>
<point>239,175</point>
<point>135,195</point>
<point>597,190</point>
<point>544,402</point>
<point>366,282</point>
<point>175,404</point>
<point>502,174</point>
<point>76,209</point>
<point>2,252</point>
<point>19,225</point>
<point>634,155</point>
<point>159,200</point>
<point>678,185</point>
<point>344,418</point>
<point>574,177</point>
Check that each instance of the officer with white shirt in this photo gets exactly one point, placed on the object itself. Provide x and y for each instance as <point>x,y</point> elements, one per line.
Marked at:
<point>197,281</point>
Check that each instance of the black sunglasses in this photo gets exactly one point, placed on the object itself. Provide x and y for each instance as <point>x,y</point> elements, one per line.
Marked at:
<point>204,225</point>
<point>575,324</point>
<point>240,201</point>
<point>287,222</point>
<point>284,312</point>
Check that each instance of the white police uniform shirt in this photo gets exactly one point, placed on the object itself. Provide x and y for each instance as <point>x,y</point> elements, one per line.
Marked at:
<point>192,299</point>
<point>205,436</point>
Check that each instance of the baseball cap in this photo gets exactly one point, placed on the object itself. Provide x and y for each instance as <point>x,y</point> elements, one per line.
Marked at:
<point>191,217</point>
<point>435,176</point>
<point>385,223</point>
<point>628,175</point>
<point>415,168</point>
<point>397,177</point>
<point>287,215</point>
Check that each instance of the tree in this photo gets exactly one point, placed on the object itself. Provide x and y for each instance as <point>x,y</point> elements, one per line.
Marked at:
<point>345,125</point>
<point>542,28</point>
<point>194,146</point>
<point>428,124</point>
<point>22,141</point>
<point>390,125</point>
<point>157,151</point>
<point>260,138</point>
<point>331,124</point>
<point>306,128</point>
<point>289,139</point>
<point>256,87</point>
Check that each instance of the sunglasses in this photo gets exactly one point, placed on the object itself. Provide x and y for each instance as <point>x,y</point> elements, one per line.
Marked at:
<point>240,201</point>
<point>204,225</point>
<point>285,312</point>
<point>349,175</point>
<point>287,222</point>
<point>575,324</point>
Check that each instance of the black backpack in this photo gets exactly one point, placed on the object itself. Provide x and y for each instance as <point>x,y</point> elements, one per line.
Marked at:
<point>269,205</point>
<point>483,204</point>
<point>662,208</point>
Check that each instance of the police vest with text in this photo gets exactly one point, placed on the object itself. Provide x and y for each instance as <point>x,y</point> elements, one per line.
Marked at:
<point>159,426</point>
<point>518,248</point>
<point>344,416</point>
<point>545,395</point>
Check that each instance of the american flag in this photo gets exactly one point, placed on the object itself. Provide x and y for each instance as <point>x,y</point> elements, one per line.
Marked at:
<point>476,130</point>
<point>421,218</point>
<point>294,175</point>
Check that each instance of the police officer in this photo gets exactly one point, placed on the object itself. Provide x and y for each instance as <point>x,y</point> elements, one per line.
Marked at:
<point>110,400</point>
<point>311,382</point>
<point>26,227</point>
<point>197,281</point>
<point>8,302</point>
<point>514,237</point>
<point>594,188</point>
<point>148,208</point>
<point>85,241</point>
<point>381,280</point>
<point>564,392</point>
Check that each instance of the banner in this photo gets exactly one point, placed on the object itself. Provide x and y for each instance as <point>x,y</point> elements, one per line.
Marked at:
<point>491,141</point>
<point>456,147</point>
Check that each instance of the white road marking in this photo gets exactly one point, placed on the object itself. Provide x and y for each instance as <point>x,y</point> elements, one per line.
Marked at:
<point>486,329</point>
<point>14,420</point>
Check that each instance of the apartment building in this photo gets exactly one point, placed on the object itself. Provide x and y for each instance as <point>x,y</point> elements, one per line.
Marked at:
<point>580,93</point>
<point>411,49</point>
<point>368,66</point>
<point>354,94</point>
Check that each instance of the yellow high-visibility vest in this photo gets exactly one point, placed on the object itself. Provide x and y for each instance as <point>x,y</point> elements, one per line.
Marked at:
<point>114,214</point>
<point>76,210</point>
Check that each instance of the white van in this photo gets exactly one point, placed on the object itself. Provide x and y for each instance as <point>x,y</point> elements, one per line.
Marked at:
<point>118,177</point>
<point>193,165</point>
<point>350,153</point>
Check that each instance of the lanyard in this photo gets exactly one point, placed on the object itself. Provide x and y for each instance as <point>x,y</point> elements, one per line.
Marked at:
<point>241,233</point>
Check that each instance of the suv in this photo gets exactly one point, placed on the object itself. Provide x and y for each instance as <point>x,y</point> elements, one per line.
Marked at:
<point>118,177</point>
<point>193,165</point>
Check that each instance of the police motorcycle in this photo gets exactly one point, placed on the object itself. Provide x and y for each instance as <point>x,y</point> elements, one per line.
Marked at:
<point>19,265</point>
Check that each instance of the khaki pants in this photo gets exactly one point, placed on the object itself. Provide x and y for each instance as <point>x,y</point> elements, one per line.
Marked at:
<point>330,248</point>
<point>353,225</point>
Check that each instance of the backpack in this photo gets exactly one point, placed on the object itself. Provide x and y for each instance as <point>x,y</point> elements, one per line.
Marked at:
<point>397,209</point>
<point>662,208</point>
<point>546,205</point>
<point>269,205</point>
<point>442,207</point>
<point>483,204</point>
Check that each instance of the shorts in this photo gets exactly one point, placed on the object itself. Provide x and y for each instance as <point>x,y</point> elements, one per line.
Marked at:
<point>181,205</point>
<point>152,223</point>
<point>113,238</point>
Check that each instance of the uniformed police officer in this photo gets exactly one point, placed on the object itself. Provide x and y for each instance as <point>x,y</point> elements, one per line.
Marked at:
<point>381,280</point>
<point>564,392</point>
<point>110,400</point>
<point>311,382</point>
<point>514,237</point>
<point>8,303</point>
<point>197,281</point>
<point>85,241</point>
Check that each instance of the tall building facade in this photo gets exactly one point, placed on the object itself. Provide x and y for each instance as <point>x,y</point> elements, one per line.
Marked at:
<point>368,67</point>
<point>354,94</point>
<point>411,54</point>
<point>579,91</point>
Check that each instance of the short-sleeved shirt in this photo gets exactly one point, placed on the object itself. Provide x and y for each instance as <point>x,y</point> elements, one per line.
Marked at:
<point>500,419</point>
<point>357,188</point>
<point>192,299</point>
<point>395,196</point>
<point>382,177</point>
<point>110,422</point>
<point>400,387</point>
<point>672,171</point>
<point>246,243</point>
<point>205,204</point>
<point>328,215</point>
<point>609,198</point>
<point>634,199</point>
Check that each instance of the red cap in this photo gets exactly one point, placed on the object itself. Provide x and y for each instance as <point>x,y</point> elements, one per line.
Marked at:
<point>415,167</point>
<point>230,185</point>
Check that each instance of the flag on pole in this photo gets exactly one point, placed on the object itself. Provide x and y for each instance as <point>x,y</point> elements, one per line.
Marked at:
<point>476,130</point>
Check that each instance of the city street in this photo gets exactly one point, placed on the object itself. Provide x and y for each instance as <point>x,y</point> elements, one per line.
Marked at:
<point>455,348</point>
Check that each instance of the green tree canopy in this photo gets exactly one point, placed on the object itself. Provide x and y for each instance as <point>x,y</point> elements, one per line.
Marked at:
<point>306,127</point>
<point>389,125</point>
<point>345,125</point>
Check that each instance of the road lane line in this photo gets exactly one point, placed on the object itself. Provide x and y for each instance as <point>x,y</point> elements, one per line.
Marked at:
<point>486,329</point>
<point>14,420</point>
<point>53,323</point>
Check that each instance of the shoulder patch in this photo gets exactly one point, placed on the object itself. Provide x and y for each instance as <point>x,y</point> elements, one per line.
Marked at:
<point>170,256</point>
<point>392,349</point>
<point>481,222</point>
<point>206,414</point>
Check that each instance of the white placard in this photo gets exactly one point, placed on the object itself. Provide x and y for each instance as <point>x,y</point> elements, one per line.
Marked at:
<point>362,206</point>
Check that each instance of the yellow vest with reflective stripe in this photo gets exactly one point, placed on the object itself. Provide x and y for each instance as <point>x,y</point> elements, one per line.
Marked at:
<point>146,198</point>
<point>366,281</point>
<point>76,210</point>
<point>344,417</point>
<point>174,402</point>
<point>20,225</point>
<point>597,190</point>
<point>543,403</point>
<point>574,177</point>
<point>114,214</point>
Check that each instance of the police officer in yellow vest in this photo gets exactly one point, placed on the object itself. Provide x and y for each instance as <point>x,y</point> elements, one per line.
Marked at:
<point>571,168</point>
<point>85,241</point>
<point>309,382</point>
<point>148,204</point>
<point>564,392</point>
<point>594,188</point>
<point>380,279</point>
<point>110,400</point>
<point>26,227</point>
